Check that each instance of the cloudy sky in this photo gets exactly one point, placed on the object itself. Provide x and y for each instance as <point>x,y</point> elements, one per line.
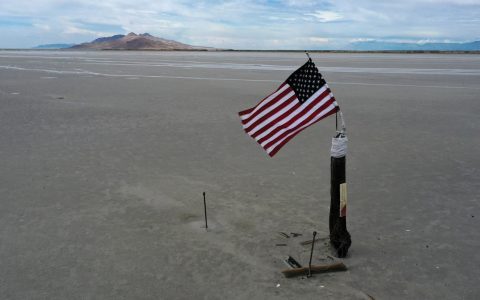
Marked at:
<point>241,24</point>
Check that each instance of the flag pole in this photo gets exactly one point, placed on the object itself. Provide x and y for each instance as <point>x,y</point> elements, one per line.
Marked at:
<point>336,120</point>
<point>339,236</point>
<point>308,55</point>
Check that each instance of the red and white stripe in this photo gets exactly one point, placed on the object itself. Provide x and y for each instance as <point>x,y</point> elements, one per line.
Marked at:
<point>281,116</point>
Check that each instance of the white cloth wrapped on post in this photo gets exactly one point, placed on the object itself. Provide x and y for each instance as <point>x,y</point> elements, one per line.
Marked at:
<point>339,147</point>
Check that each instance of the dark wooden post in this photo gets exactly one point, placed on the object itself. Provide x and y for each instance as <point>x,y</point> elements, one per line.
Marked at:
<point>339,236</point>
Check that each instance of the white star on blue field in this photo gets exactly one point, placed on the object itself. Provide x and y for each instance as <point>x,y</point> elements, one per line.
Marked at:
<point>242,24</point>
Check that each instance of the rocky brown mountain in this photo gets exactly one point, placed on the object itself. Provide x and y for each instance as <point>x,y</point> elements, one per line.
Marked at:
<point>134,41</point>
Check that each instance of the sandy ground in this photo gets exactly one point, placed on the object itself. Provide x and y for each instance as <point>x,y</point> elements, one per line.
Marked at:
<point>104,157</point>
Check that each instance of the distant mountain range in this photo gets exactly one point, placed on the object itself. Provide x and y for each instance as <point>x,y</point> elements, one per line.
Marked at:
<point>53,46</point>
<point>146,41</point>
<point>134,41</point>
<point>386,46</point>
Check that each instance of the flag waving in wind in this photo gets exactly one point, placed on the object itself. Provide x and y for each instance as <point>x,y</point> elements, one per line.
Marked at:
<point>302,100</point>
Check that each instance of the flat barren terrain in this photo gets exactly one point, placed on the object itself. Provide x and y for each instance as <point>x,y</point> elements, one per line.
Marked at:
<point>104,157</point>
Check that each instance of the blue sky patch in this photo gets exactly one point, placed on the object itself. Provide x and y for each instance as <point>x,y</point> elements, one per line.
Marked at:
<point>246,24</point>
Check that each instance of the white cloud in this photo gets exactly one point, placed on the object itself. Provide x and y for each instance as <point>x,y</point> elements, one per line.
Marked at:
<point>454,2</point>
<point>301,3</point>
<point>242,23</point>
<point>44,27</point>
<point>359,40</point>
<point>81,31</point>
<point>325,16</point>
<point>318,40</point>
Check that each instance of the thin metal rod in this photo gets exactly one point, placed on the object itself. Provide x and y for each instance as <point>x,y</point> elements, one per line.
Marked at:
<point>336,120</point>
<point>344,129</point>
<point>205,206</point>
<point>308,55</point>
<point>311,255</point>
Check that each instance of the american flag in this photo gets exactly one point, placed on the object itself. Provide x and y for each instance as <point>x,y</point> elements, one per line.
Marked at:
<point>302,100</point>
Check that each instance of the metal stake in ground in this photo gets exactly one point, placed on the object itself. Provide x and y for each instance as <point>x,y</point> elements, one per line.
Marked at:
<point>205,207</point>
<point>311,254</point>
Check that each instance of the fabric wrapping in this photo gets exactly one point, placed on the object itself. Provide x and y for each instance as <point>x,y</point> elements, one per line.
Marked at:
<point>339,147</point>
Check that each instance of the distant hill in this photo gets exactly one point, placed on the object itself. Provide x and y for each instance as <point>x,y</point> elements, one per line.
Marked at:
<point>380,46</point>
<point>108,39</point>
<point>53,46</point>
<point>134,41</point>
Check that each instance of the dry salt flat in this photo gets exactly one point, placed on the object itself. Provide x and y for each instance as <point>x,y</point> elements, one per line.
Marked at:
<point>104,157</point>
